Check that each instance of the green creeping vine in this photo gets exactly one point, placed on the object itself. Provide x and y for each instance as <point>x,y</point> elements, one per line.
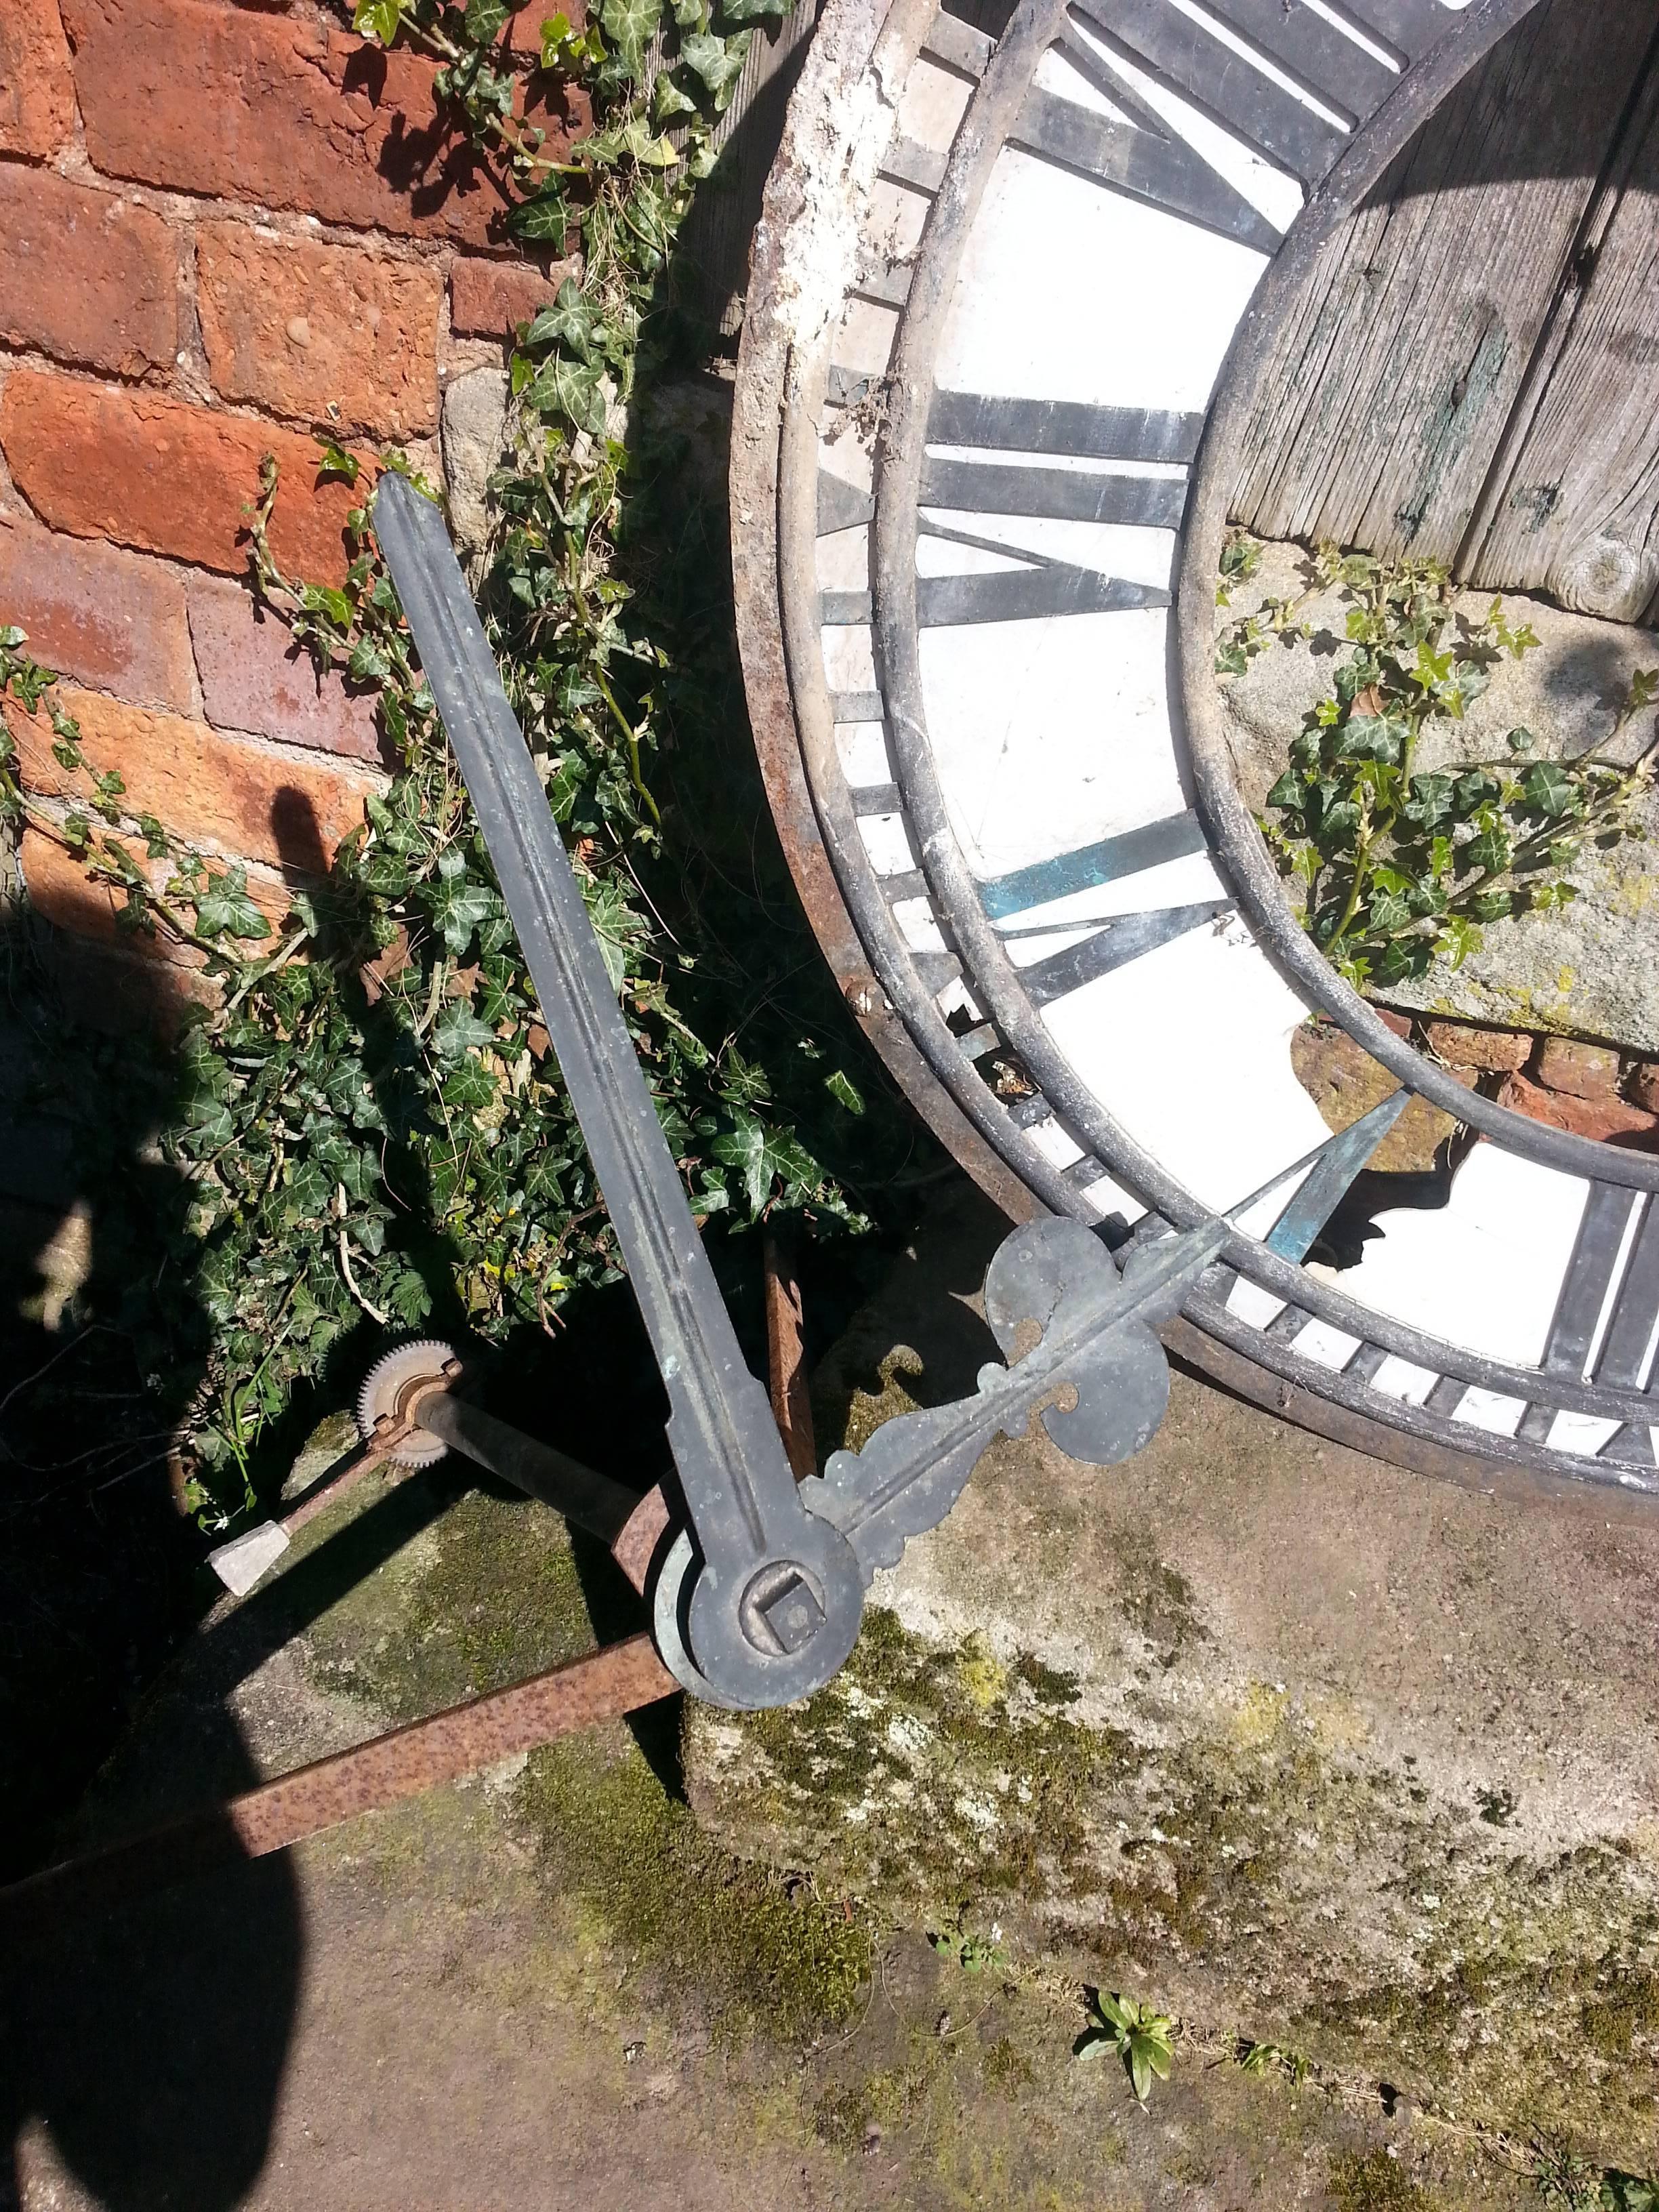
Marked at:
<point>369,1122</point>
<point>1400,867</point>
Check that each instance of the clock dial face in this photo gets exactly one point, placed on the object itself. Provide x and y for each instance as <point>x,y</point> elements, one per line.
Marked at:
<point>1010,292</point>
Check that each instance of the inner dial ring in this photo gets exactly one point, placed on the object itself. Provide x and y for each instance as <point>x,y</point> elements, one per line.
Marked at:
<point>979,579</point>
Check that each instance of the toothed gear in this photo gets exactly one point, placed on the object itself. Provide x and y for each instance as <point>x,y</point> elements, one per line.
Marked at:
<point>390,1384</point>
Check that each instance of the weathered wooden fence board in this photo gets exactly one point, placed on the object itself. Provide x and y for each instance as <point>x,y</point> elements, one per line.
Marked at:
<point>1572,507</point>
<point>1396,388</point>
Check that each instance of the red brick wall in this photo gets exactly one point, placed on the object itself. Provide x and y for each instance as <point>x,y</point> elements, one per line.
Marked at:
<point>224,226</point>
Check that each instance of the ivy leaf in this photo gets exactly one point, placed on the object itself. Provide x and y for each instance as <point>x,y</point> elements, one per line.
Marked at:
<point>458,1030</point>
<point>717,62</point>
<point>1458,939</point>
<point>570,321</point>
<point>377,19</point>
<point>225,909</point>
<point>1389,912</point>
<point>841,1089</point>
<point>668,103</point>
<point>1472,792</point>
<point>458,904</point>
<point>1402,956</point>
<point>618,929</point>
<point>1430,802</point>
<point>1372,737</point>
<point>484,19</point>
<point>1231,660</point>
<point>630,26</point>
<point>324,599</point>
<point>547,217</point>
<point>760,1154</point>
<point>336,462</point>
<point>1550,790</point>
<point>1491,851</point>
<point>568,388</point>
<point>1288,793</point>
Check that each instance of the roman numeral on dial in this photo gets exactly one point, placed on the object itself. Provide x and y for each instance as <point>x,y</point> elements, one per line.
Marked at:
<point>988,422</point>
<point>1044,587</point>
<point>1139,153</point>
<point>1615,1257</point>
<point>1113,858</point>
<point>1140,159</point>
<point>1112,945</point>
<point>1334,67</point>
<point>985,421</point>
<point>1185,54</point>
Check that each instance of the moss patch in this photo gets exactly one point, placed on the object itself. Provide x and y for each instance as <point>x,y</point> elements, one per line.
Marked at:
<point>757,1946</point>
<point>1374,2182</point>
<point>490,1595</point>
<point>493,1593</point>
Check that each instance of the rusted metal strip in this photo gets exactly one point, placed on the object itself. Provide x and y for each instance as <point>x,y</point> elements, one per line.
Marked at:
<point>636,1546</point>
<point>602,1686</point>
<point>785,1356</point>
<point>377,1450</point>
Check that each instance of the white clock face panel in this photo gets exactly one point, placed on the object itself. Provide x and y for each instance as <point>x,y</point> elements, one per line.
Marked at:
<point>1008,297</point>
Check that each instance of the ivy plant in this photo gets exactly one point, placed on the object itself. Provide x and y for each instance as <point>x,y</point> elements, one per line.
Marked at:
<point>1398,866</point>
<point>367,1116</point>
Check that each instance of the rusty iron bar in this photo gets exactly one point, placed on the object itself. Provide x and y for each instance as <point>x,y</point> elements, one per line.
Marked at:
<point>588,1500</point>
<point>603,1685</point>
<point>785,1356</point>
<point>402,1762</point>
<point>375,1453</point>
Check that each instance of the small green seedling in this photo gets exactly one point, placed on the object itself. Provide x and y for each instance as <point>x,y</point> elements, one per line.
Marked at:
<point>1141,2037</point>
<point>1275,2058</point>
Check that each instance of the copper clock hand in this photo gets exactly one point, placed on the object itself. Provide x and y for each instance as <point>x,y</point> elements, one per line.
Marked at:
<point>777,1597</point>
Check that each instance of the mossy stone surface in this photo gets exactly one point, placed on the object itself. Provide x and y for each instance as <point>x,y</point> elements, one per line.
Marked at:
<point>1285,1738</point>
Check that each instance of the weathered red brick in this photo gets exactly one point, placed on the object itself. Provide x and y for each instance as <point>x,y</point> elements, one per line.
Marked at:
<point>110,988</point>
<point>37,93</point>
<point>153,473</point>
<point>89,277</point>
<point>490,299</point>
<point>255,676</point>
<point>1610,1119</point>
<point>60,889</point>
<point>108,618</point>
<point>301,328</point>
<point>1645,1086</point>
<point>1461,1044</point>
<point>246,800</point>
<point>1584,1071</point>
<point>282,110</point>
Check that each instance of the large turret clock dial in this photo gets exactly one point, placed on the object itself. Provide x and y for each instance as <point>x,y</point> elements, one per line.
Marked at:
<point>1012,293</point>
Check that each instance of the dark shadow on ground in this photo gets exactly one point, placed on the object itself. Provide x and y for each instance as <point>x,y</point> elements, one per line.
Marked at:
<point>149,2040</point>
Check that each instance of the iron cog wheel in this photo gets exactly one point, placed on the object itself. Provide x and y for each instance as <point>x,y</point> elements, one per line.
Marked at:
<point>390,1387</point>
